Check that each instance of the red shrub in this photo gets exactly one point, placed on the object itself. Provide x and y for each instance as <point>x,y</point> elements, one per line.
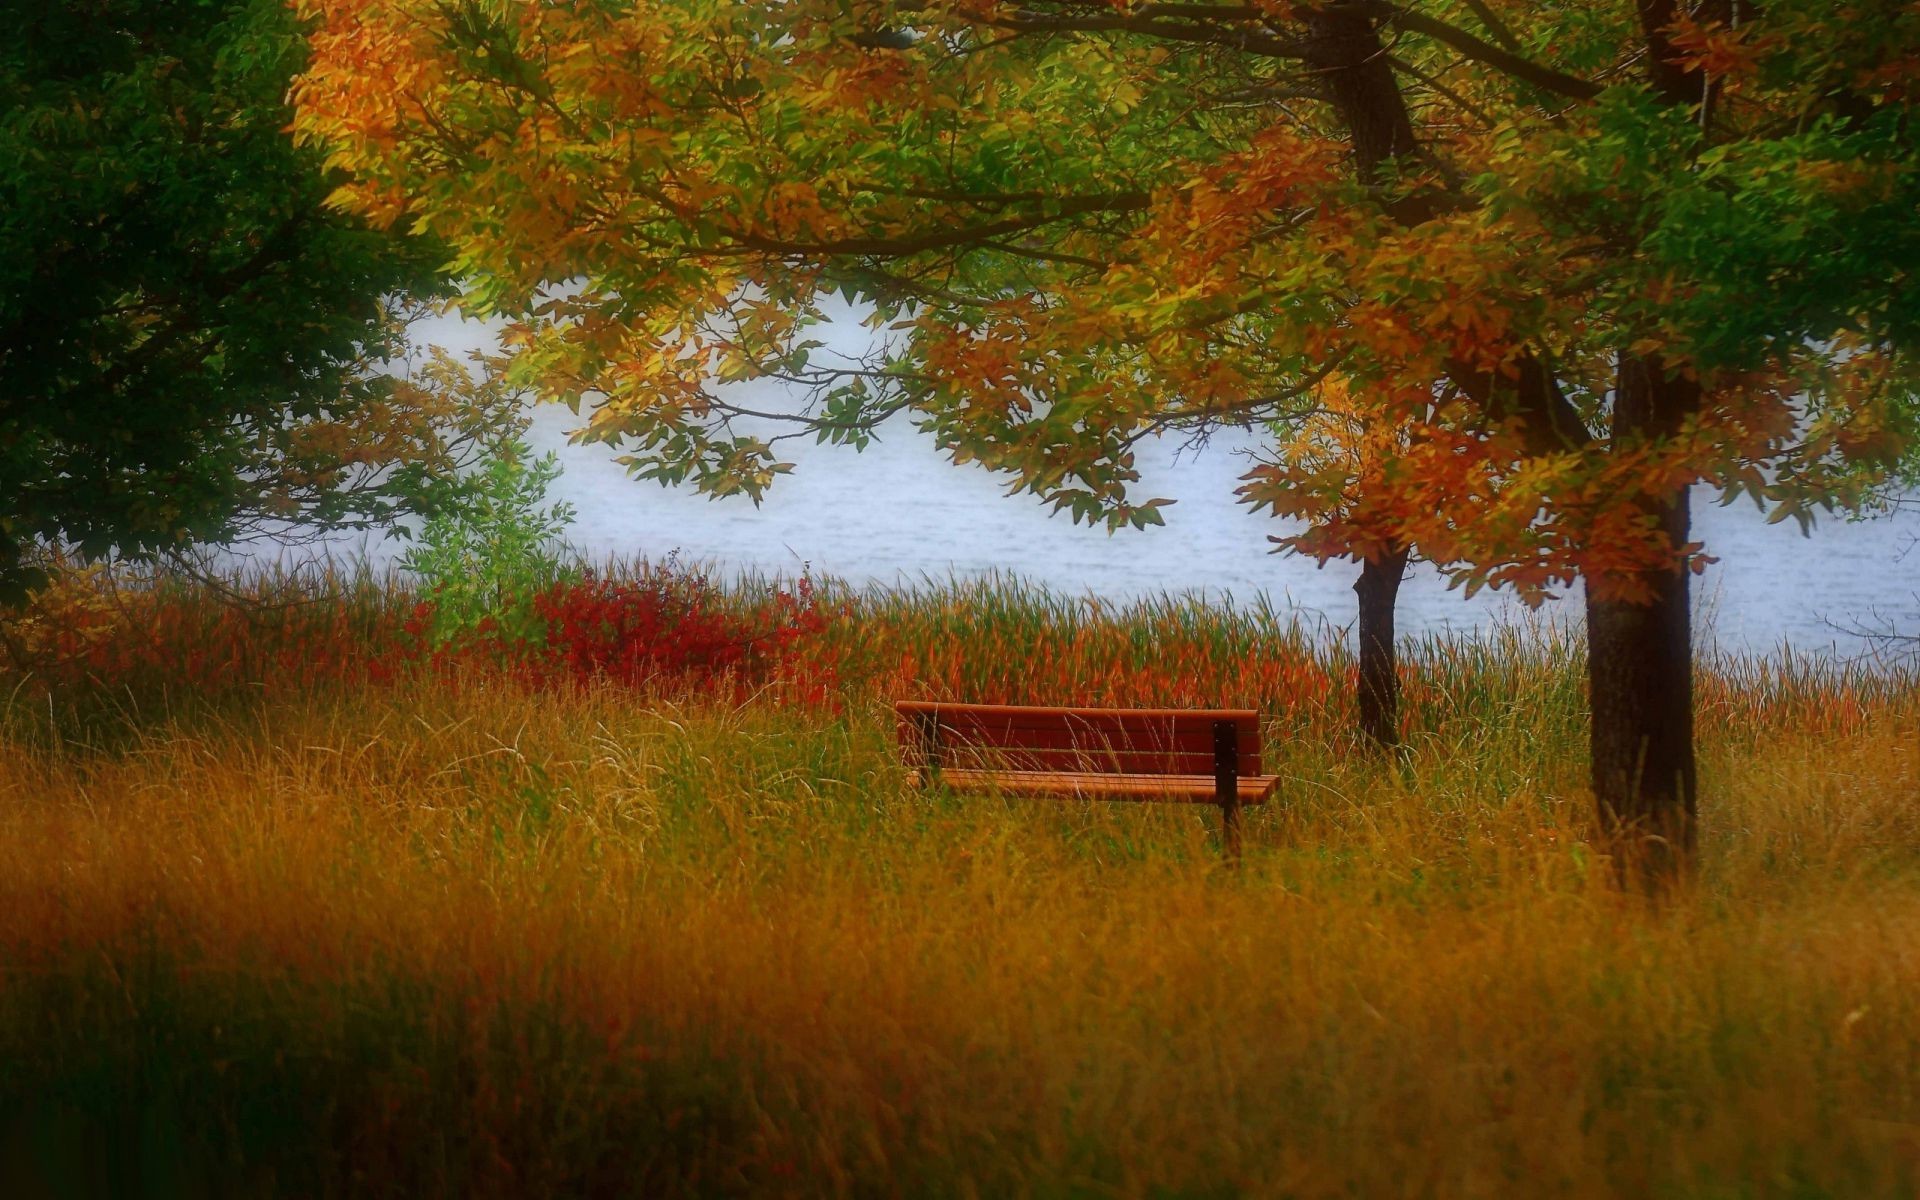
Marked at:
<point>659,630</point>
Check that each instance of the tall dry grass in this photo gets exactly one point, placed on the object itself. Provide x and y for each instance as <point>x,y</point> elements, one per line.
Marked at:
<point>449,936</point>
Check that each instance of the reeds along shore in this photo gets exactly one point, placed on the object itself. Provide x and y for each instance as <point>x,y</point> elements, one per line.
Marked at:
<point>287,908</point>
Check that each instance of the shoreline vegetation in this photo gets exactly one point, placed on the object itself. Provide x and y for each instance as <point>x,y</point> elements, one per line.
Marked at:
<point>291,905</point>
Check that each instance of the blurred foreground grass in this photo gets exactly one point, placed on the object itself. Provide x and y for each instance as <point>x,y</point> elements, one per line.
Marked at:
<point>452,936</point>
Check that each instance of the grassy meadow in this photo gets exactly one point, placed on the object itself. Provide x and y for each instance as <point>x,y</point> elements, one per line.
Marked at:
<point>287,909</point>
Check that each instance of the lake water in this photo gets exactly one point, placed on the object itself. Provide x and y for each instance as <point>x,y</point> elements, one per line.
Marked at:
<point>899,514</point>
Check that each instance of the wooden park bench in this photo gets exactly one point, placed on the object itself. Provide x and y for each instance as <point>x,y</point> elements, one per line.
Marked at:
<point>1178,755</point>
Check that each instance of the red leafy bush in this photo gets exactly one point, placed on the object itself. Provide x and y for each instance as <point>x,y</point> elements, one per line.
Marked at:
<point>659,630</point>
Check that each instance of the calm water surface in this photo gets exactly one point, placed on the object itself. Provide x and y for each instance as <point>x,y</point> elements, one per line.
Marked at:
<point>900,514</point>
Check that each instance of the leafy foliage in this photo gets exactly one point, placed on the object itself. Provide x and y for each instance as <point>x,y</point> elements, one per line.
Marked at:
<point>402,430</point>
<point>185,332</point>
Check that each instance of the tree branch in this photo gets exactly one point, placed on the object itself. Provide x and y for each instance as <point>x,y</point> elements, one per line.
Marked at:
<point>1210,26</point>
<point>1494,24</point>
<point>1549,421</point>
<point>1524,69</point>
<point>915,243</point>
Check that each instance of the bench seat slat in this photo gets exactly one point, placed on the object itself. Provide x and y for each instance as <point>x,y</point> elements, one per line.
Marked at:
<point>1161,735</point>
<point>1135,762</point>
<point>1060,732</point>
<point>1056,746</point>
<point>1122,715</point>
<point>1165,741</point>
<point>1107,785</point>
<point>1163,729</point>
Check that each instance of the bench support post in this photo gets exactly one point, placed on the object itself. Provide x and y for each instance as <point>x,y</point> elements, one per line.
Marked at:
<point>1226,786</point>
<point>928,726</point>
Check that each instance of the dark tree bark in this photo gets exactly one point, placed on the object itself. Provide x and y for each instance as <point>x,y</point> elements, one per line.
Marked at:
<point>1345,50</point>
<point>1378,587</point>
<point>1640,667</point>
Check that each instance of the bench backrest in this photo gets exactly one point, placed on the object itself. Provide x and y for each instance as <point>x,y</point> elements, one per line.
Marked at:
<point>1142,741</point>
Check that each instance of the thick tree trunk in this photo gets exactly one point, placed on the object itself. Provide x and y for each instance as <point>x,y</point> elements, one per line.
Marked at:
<point>1640,680</point>
<point>1378,587</point>
<point>1640,657</point>
<point>1640,668</point>
<point>1640,663</point>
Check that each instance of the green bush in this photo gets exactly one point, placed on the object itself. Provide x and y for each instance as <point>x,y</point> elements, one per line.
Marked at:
<point>491,546</point>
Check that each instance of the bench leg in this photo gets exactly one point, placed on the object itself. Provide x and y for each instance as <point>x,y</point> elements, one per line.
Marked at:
<point>1230,831</point>
<point>1226,786</point>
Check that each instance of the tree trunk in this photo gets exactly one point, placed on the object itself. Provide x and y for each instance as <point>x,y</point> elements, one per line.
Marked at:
<point>1345,50</point>
<point>1640,661</point>
<point>1640,657</point>
<point>1640,668</point>
<point>1640,679</point>
<point>1378,586</point>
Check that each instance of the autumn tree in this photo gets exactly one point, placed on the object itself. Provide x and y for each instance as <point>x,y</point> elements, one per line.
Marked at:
<point>188,338</point>
<point>851,401</point>
<point>1508,279</point>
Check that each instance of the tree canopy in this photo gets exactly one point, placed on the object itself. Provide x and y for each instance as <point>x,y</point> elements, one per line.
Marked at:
<point>1089,220</point>
<point>185,331</point>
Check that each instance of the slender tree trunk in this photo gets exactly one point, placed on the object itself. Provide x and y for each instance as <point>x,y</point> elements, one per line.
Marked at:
<point>1378,587</point>
<point>1640,668</point>
<point>1346,52</point>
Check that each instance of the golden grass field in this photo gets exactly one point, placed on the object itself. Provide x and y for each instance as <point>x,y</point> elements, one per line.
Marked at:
<point>451,935</point>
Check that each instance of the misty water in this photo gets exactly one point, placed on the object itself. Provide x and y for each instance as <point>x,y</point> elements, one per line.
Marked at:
<point>899,514</point>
